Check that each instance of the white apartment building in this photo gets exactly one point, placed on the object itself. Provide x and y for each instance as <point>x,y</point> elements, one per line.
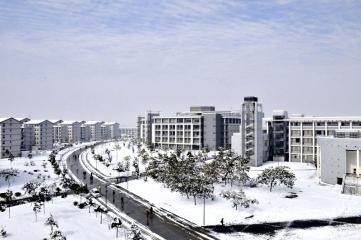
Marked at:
<point>177,132</point>
<point>144,127</point>
<point>250,142</point>
<point>84,133</point>
<point>110,130</point>
<point>38,135</point>
<point>95,130</point>
<point>128,132</point>
<point>69,131</point>
<point>299,134</point>
<point>303,132</point>
<point>200,128</point>
<point>10,137</point>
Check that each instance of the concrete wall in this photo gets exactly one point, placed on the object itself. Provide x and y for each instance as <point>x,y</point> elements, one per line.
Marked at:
<point>337,157</point>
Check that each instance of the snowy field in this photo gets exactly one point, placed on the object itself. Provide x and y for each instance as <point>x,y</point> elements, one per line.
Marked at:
<point>349,232</point>
<point>314,201</point>
<point>74,223</point>
<point>36,168</point>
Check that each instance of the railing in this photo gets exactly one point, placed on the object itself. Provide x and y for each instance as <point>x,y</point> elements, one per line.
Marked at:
<point>352,184</point>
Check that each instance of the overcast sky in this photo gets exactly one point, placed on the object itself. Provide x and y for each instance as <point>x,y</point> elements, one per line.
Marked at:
<point>113,60</point>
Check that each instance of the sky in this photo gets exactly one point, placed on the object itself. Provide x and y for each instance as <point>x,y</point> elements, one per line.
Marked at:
<point>114,60</point>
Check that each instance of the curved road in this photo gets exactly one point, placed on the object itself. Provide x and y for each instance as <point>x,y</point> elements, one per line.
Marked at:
<point>161,223</point>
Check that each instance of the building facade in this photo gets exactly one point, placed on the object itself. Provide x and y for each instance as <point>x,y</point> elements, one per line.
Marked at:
<point>277,132</point>
<point>95,130</point>
<point>39,135</point>
<point>129,132</point>
<point>339,155</point>
<point>144,127</point>
<point>249,142</point>
<point>10,137</point>
<point>110,130</point>
<point>303,131</point>
<point>201,128</point>
<point>70,131</point>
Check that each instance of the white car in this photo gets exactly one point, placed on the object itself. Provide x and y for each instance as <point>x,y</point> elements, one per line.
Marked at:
<point>95,193</point>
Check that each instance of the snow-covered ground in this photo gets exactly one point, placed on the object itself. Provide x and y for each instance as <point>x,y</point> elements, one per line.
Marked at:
<point>118,152</point>
<point>75,223</point>
<point>314,201</point>
<point>349,232</point>
<point>36,168</point>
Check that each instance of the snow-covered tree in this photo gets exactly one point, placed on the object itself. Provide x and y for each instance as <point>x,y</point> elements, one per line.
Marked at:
<point>116,223</point>
<point>8,174</point>
<point>36,209</point>
<point>11,158</point>
<point>50,221</point>
<point>100,210</point>
<point>57,235</point>
<point>31,187</point>
<point>273,176</point>
<point>238,198</point>
<point>8,199</point>
<point>231,167</point>
<point>3,232</point>
<point>134,233</point>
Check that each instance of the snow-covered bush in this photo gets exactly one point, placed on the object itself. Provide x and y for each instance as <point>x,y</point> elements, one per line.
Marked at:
<point>238,199</point>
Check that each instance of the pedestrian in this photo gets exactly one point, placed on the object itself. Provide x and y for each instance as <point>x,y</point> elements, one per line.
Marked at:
<point>122,203</point>
<point>91,178</point>
<point>222,222</point>
<point>151,211</point>
<point>147,215</point>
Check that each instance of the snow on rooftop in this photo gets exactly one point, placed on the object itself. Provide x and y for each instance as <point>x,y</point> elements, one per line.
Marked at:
<point>92,122</point>
<point>3,119</point>
<point>66,122</point>
<point>110,123</point>
<point>37,121</point>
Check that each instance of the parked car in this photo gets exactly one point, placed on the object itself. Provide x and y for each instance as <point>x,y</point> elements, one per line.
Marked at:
<point>95,193</point>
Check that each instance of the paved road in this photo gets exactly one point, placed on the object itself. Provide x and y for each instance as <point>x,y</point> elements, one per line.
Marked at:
<point>133,207</point>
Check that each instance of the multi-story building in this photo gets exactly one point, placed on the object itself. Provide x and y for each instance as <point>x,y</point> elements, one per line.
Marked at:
<point>249,142</point>
<point>201,128</point>
<point>84,133</point>
<point>110,130</point>
<point>277,131</point>
<point>38,135</point>
<point>95,130</point>
<point>10,137</point>
<point>302,134</point>
<point>67,131</point>
<point>144,127</point>
<point>129,132</point>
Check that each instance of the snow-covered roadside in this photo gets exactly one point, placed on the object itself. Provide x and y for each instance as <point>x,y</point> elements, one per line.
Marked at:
<point>314,201</point>
<point>349,232</point>
<point>75,223</point>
